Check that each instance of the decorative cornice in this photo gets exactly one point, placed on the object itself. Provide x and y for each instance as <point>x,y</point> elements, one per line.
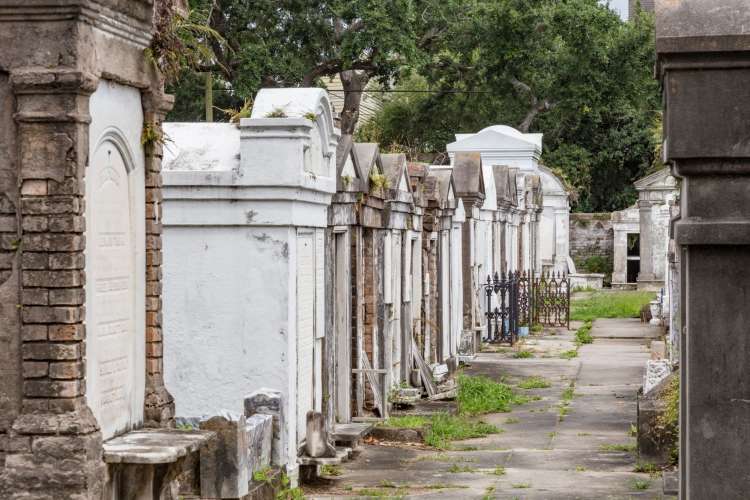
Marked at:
<point>125,26</point>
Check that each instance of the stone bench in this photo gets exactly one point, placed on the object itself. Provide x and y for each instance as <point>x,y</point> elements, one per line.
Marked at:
<point>144,463</point>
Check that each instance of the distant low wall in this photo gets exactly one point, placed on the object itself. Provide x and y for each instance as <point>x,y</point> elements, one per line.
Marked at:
<point>592,242</point>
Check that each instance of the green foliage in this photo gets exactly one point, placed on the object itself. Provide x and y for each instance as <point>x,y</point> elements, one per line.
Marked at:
<point>534,383</point>
<point>605,304</point>
<point>262,475</point>
<point>330,470</point>
<point>523,354</point>
<point>597,264</point>
<point>151,135</point>
<point>478,395</point>
<point>572,70</point>
<point>629,448</point>
<point>583,334</point>
<point>286,492</point>
<point>573,353</point>
<point>499,471</point>
<point>520,485</point>
<point>641,484</point>
<point>407,422</point>
<point>276,113</point>
<point>645,467</point>
<point>235,115</point>
<point>669,421</point>
<point>379,181</point>
<point>445,428</point>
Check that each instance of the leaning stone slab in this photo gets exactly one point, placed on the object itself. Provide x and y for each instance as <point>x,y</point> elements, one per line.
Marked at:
<point>259,430</point>
<point>154,446</point>
<point>269,402</point>
<point>224,461</point>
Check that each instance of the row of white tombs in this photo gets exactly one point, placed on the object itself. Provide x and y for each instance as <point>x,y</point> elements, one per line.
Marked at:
<point>305,265</point>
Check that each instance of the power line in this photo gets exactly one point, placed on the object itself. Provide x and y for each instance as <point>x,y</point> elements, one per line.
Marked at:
<point>394,91</point>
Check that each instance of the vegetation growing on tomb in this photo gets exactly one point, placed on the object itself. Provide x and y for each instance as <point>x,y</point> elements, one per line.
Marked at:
<point>670,419</point>
<point>607,304</point>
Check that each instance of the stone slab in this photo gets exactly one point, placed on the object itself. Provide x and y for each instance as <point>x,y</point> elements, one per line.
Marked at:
<point>154,446</point>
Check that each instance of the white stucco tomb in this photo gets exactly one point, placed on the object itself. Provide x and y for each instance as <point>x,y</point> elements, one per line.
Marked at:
<point>245,212</point>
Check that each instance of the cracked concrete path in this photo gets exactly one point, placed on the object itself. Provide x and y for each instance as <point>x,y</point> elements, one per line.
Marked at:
<point>554,447</point>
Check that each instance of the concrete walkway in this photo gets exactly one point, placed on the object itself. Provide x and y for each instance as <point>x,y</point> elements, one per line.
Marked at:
<point>551,448</point>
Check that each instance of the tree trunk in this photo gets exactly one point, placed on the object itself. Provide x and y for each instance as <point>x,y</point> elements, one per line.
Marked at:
<point>354,82</point>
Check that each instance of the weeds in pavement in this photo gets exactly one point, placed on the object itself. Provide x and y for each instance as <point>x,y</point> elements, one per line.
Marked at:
<point>523,354</point>
<point>445,428</point>
<point>573,353</point>
<point>511,420</point>
<point>625,304</point>
<point>630,447</point>
<point>477,395</point>
<point>499,471</point>
<point>534,383</point>
<point>647,467</point>
<point>520,485</point>
<point>330,470</point>
<point>488,493</point>
<point>580,468</point>
<point>457,469</point>
<point>406,422</point>
<point>583,334</point>
<point>569,392</point>
<point>641,484</point>
<point>382,493</point>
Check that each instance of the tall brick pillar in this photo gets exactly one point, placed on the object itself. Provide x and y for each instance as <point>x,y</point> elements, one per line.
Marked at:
<point>54,57</point>
<point>703,51</point>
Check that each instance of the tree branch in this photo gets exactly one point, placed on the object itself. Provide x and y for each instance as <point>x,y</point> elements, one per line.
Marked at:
<point>535,108</point>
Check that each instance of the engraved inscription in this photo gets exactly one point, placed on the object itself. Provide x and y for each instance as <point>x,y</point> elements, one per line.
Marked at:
<point>112,306</point>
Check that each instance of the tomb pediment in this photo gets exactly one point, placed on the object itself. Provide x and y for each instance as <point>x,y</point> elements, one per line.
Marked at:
<point>468,175</point>
<point>660,180</point>
<point>497,137</point>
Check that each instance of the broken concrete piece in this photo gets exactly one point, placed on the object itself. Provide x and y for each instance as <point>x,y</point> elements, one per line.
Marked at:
<point>259,441</point>
<point>439,372</point>
<point>269,402</point>
<point>317,444</point>
<point>656,371</point>
<point>406,396</point>
<point>224,462</point>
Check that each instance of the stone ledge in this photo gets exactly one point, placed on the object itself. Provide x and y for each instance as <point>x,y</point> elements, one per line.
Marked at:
<point>154,446</point>
<point>342,454</point>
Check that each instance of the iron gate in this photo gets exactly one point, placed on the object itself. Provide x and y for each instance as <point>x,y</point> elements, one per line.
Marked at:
<point>520,299</point>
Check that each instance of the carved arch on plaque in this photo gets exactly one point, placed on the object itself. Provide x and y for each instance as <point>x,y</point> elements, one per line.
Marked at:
<point>117,138</point>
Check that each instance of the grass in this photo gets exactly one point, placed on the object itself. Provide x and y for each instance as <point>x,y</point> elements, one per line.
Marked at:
<point>630,447</point>
<point>499,471</point>
<point>520,485</point>
<point>625,304</point>
<point>583,334</point>
<point>569,392</point>
<point>445,428</point>
<point>458,469</point>
<point>647,467</point>
<point>330,470</point>
<point>641,484</point>
<point>511,420</point>
<point>580,468</point>
<point>573,353</point>
<point>523,354</point>
<point>488,493</point>
<point>382,493</point>
<point>478,395</point>
<point>407,422</point>
<point>534,383</point>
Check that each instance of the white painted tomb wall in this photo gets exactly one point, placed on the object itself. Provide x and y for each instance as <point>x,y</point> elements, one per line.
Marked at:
<point>115,260</point>
<point>245,211</point>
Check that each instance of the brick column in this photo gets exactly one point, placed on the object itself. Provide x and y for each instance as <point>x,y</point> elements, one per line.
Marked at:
<point>159,404</point>
<point>55,441</point>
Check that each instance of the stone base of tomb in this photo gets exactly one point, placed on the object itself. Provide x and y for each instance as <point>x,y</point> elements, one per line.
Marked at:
<point>53,456</point>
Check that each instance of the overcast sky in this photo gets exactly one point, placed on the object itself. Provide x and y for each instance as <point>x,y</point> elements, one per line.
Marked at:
<point>620,6</point>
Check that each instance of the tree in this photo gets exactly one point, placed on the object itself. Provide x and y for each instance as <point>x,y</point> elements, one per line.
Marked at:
<point>297,42</point>
<point>568,68</point>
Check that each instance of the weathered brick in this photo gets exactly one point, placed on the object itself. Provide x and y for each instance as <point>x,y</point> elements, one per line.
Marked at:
<point>34,188</point>
<point>35,405</point>
<point>47,205</point>
<point>66,296</point>
<point>154,349</point>
<point>66,332</point>
<point>153,258</point>
<point>51,389</point>
<point>52,279</point>
<point>74,260</point>
<point>34,223</point>
<point>153,195</point>
<point>34,297</point>
<point>9,242</point>
<point>153,288</point>
<point>69,186</point>
<point>66,370</point>
<point>34,260</point>
<point>153,318</point>
<point>63,405</point>
<point>153,273</point>
<point>153,227</point>
<point>153,180</point>
<point>18,444</point>
<point>35,369</point>
<point>51,351</point>
<point>153,242</point>
<point>153,365</point>
<point>67,224</point>
<point>153,334</point>
<point>153,304</point>
<point>31,333</point>
<point>46,242</point>
<point>49,314</point>
<point>7,224</point>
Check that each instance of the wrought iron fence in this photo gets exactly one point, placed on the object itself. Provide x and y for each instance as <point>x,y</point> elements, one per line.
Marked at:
<point>551,297</point>
<point>520,299</point>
